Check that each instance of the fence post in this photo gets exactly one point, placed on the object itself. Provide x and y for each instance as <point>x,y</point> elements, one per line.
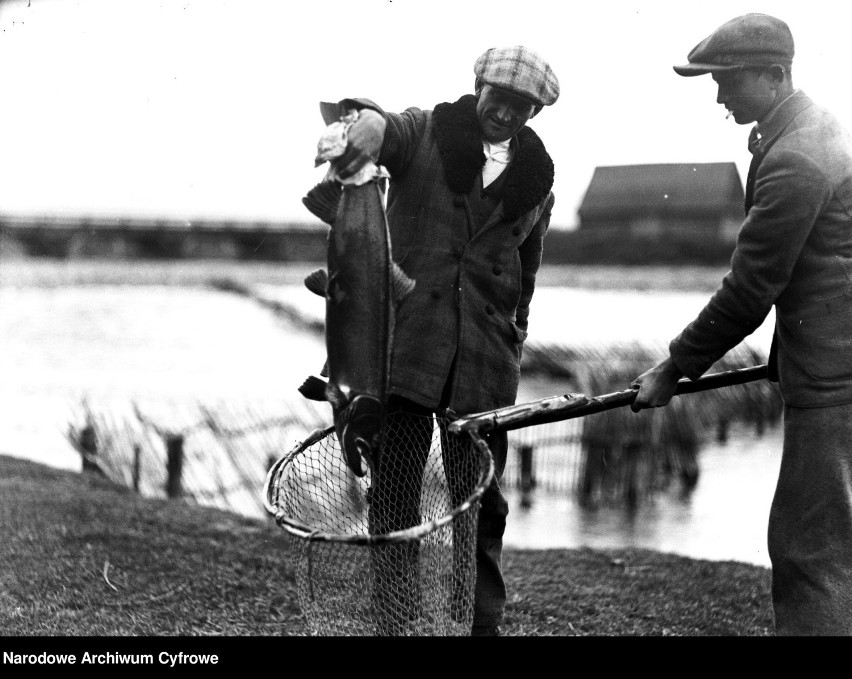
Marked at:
<point>137,459</point>
<point>722,427</point>
<point>88,442</point>
<point>527,478</point>
<point>174,464</point>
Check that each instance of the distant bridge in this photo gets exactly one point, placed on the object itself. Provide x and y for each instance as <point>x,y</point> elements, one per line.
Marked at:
<point>139,237</point>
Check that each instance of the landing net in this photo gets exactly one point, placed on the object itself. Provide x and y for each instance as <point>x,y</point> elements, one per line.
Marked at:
<point>390,554</point>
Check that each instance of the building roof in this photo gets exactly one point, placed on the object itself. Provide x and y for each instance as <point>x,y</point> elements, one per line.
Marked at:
<point>660,188</point>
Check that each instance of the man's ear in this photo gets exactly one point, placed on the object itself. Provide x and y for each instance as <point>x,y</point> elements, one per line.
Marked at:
<point>477,86</point>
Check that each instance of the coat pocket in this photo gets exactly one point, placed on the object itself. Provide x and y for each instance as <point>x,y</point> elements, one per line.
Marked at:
<point>823,344</point>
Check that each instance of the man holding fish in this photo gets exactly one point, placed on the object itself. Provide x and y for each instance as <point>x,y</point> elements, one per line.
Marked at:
<point>794,251</point>
<point>468,206</point>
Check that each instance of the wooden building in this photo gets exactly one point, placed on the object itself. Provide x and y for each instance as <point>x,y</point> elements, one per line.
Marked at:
<point>698,202</point>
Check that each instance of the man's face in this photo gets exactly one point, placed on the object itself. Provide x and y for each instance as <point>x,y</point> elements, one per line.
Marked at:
<point>502,113</point>
<point>747,93</point>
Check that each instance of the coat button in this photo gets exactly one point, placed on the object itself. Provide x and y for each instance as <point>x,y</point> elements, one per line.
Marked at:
<point>489,309</point>
<point>435,294</point>
<point>497,270</point>
<point>458,201</point>
<point>516,231</point>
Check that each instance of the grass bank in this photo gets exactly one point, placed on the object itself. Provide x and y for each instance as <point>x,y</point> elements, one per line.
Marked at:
<point>80,556</point>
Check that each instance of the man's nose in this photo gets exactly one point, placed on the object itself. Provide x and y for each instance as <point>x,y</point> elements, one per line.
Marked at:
<point>504,113</point>
<point>721,96</point>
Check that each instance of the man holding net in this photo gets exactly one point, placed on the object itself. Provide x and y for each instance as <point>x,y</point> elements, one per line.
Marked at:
<point>468,207</point>
<point>794,251</point>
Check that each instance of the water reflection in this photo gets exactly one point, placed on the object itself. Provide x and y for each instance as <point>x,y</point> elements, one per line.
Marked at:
<point>723,518</point>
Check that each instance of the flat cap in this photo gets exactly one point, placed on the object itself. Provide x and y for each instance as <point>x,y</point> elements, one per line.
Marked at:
<point>519,70</point>
<point>748,40</point>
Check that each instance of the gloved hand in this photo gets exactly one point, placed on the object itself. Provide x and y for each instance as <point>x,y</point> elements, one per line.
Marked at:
<point>365,139</point>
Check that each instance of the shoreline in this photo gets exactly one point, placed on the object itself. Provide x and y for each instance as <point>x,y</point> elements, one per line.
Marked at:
<point>45,272</point>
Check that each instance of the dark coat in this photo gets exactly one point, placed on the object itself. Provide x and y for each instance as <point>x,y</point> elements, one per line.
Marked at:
<point>474,282</point>
<point>794,250</point>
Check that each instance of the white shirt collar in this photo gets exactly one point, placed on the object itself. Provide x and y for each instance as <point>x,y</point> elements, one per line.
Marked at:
<point>500,152</point>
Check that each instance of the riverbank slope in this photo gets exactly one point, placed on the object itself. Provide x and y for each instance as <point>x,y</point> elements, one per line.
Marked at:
<point>80,556</point>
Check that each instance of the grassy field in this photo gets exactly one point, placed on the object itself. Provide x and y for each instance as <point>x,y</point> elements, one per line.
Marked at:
<point>82,557</point>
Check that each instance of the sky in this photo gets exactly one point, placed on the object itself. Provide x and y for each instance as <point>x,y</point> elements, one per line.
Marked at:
<point>210,108</point>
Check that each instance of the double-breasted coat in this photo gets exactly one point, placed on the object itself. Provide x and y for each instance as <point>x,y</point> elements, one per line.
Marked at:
<point>466,320</point>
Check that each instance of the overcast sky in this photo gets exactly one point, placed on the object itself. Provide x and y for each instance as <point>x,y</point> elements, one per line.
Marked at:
<point>209,108</point>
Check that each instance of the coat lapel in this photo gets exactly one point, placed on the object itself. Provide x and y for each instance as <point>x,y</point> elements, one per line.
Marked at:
<point>530,175</point>
<point>770,131</point>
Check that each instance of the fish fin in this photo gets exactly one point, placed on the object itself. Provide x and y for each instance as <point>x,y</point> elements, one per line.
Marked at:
<point>401,283</point>
<point>323,200</point>
<point>330,112</point>
<point>317,282</point>
<point>313,388</point>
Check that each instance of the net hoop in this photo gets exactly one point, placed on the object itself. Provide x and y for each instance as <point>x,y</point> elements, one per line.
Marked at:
<point>301,530</point>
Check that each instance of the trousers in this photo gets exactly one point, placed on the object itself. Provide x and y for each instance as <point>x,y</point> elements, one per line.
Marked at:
<point>395,506</point>
<point>810,524</point>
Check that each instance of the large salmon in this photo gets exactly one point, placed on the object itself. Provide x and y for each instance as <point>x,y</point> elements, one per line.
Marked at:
<point>361,288</point>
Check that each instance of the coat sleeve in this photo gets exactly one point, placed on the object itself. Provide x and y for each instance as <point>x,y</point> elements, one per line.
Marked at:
<point>402,137</point>
<point>791,191</point>
<point>530,252</point>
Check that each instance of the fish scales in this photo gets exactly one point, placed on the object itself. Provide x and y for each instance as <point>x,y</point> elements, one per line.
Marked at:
<point>359,318</point>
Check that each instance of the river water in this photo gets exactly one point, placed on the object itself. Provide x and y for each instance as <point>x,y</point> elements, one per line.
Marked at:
<point>724,518</point>
<point>61,344</point>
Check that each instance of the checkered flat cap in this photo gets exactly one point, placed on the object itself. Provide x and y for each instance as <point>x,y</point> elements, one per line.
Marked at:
<point>519,70</point>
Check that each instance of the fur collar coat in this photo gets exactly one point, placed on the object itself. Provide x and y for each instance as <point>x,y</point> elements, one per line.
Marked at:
<point>460,333</point>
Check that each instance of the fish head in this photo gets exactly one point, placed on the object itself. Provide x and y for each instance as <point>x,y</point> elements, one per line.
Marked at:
<point>359,427</point>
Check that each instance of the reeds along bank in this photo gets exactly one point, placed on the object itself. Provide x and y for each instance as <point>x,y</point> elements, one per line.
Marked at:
<point>626,456</point>
<point>611,457</point>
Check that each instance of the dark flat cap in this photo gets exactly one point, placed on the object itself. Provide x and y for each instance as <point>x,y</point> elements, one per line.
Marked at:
<point>519,70</point>
<point>748,40</point>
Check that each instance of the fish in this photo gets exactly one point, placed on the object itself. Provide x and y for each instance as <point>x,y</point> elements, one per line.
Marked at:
<point>362,288</point>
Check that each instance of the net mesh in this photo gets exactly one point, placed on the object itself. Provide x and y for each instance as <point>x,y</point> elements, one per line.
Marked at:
<point>390,554</point>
